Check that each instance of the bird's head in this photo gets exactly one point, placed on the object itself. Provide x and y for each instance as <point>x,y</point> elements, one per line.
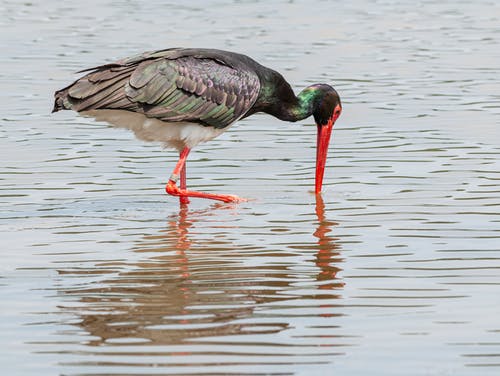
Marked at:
<point>326,110</point>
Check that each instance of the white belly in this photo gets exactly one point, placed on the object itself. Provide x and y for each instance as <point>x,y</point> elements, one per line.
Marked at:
<point>174,134</point>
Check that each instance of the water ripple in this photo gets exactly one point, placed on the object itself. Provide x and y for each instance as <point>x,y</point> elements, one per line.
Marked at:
<point>102,274</point>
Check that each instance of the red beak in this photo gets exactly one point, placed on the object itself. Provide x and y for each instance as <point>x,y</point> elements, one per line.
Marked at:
<point>324,133</point>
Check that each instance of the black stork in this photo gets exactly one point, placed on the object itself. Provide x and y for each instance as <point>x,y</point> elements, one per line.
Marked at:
<point>192,95</point>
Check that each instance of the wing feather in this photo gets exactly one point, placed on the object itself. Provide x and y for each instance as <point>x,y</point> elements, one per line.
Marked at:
<point>96,100</point>
<point>171,85</point>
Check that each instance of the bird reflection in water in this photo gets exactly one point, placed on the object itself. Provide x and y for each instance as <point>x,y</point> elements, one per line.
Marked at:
<point>195,283</point>
<point>328,257</point>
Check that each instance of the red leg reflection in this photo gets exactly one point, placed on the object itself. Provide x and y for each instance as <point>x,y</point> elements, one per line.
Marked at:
<point>328,255</point>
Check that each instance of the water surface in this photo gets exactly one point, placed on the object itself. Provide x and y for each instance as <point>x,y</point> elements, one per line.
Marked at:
<point>394,270</point>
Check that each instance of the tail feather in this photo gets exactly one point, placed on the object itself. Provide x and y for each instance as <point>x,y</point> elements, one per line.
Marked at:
<point>59,101</point>
<point>92,91</point>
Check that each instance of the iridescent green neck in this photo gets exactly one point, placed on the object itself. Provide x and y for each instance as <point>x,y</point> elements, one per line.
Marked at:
<point>302,106</point>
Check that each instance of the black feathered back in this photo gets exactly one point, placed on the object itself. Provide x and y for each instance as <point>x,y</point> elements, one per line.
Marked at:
<point>210,87</point>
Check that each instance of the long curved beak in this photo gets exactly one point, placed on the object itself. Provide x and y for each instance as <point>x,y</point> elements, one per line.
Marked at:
<point>324,134</point>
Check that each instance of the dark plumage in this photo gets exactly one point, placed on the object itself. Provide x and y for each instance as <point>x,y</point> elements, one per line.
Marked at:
<point>211,88</point>
<point>203,86</point>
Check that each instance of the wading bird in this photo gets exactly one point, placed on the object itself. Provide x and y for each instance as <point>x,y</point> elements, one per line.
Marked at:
<point>193,95</point>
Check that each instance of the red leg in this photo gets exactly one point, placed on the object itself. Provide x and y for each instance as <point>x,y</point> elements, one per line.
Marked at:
<point>183,199</point>
<point>182,192</point>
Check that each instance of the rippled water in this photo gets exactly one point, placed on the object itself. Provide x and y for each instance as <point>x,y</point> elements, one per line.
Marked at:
<point>395,270</point>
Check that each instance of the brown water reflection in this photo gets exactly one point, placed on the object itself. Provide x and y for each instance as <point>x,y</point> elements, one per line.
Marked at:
<point>188,289</point>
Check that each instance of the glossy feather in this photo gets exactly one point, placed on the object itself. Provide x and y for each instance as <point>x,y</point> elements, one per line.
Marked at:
<point>169,85</point>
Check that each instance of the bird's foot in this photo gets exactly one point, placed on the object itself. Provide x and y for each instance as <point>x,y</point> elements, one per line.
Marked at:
<point>174,190</point>
<point>232,198</point>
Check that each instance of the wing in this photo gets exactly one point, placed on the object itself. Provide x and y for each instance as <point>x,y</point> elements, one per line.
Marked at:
<point>168,86</point>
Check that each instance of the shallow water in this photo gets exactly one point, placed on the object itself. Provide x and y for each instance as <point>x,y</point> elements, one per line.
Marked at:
<point>394,270</point>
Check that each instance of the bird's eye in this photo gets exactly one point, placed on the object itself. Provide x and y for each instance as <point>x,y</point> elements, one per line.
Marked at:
<point>336,112</point>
